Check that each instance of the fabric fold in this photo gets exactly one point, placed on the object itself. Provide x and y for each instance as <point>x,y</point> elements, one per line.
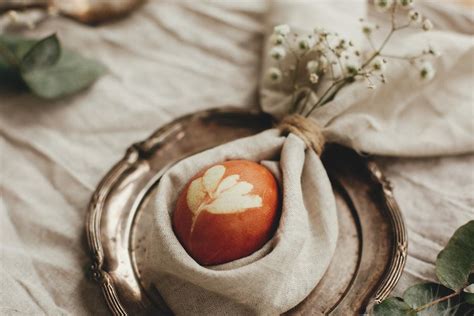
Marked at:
<point>405,116</point>
<point>271,280</point>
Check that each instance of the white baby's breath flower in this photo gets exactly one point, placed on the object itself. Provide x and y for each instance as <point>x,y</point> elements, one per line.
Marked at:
<point>276,39</point>
<point>277,52</point>
<point>305,43</point>
<point>282,29</point>
<point>319,30</point>
<point>434,51</point>
<point>405,3</point>
<point>378,64</point>
<point>368,28</point>
<point>320,47</point>
<point>415,16</point>
<point>383,5</point>
<point>427,71</point>
<point>427,25</point>
<point>274,75</point>
<point>313,78</point>
<point>352,69</point>
<point>312,66</point>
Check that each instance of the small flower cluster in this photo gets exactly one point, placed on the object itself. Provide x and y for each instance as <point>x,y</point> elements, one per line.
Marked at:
<point>327,55</point>
<point>320,51</point>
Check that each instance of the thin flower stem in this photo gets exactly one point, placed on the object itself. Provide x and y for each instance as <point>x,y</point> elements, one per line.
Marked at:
<point>320,102</point>
<point>330,68</point>
<point>338,84</point>
<point>291,49</point>
<point>295,76</point>
<point>369,39</point>
<point>407,58</point>
<point>304,102</point>
<point>335,54</point>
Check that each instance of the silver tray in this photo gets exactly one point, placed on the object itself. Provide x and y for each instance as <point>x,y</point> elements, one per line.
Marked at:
<point>372,244</point>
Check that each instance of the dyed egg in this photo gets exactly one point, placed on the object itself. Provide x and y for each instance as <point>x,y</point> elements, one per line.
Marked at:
<point>227,211</point>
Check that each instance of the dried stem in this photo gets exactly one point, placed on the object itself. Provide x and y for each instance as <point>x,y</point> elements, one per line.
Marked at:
<point>295,76</point>
<point>337,85</point>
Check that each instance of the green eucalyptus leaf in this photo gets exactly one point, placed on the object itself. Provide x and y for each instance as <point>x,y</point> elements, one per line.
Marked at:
<point>421,294</point>
<point>468,294</point>
<point>17,46</point>
<point>70,74</point>
<point>456,261</point>
<point>7,58</point>
<point>11,49</point>
<point>43,68</point>
<point>44,53</point>
<point>393,306</point>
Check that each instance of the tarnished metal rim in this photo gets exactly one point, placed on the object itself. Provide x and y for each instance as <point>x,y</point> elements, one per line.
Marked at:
<point>99,273</point>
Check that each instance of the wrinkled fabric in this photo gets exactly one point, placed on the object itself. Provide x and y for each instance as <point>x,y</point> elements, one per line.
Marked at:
<point>267,282</point>
<point>383,121</point>
<point>166,59</point>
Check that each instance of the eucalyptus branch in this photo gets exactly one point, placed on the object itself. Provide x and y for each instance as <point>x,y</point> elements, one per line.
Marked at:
<point>437,301</point>
<point>454,271</point>
<point>11,59</point>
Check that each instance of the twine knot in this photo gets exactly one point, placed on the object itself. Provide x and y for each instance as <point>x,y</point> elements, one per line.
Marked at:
<point>306,129</point>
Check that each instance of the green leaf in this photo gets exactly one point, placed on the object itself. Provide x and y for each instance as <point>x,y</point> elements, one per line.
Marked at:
<point>70,74</point>
<point>456,260</point>
<point>43,53</point>
<point>393,306</point>
<point>421,294</point>
<point>468,294</point>
<point>40,66</point>
<point>17,46</point>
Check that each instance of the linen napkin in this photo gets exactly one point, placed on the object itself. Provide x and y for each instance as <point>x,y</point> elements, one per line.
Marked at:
<point>405,116</point>
<point>273,279</point>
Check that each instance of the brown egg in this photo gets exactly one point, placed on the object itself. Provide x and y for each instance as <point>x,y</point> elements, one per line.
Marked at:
<point>227,211</point>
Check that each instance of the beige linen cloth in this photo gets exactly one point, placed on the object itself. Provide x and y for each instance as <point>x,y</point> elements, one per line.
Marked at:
<point>270,281</point>
<point>405,117</point>
<point>167,59</point>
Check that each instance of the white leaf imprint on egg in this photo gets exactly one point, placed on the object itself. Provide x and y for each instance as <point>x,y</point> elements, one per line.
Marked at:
<point>218,195</point>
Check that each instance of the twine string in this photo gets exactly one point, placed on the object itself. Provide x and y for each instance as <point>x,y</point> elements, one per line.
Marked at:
<point>305,128</point>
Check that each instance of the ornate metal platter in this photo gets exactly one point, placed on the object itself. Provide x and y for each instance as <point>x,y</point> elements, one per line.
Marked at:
<point>372,242</point>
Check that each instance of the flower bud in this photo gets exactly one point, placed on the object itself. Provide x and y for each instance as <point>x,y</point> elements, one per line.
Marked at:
<point>282,29</point>
<point>383,5</point>
<point>312,66</point>
<point>276,39</point>
<point>414,16</point>
<point>427,25</point>
<point>274,75</point>
<point>314,78</point>
<point>378,64</point>
<point>305,43</point>
<point>405,3</point>
<point>368,28</point>
<point>277,52</point>
<point>427,71</point>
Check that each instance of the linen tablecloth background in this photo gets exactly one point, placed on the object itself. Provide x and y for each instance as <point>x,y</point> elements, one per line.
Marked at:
<point>167,59</point>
